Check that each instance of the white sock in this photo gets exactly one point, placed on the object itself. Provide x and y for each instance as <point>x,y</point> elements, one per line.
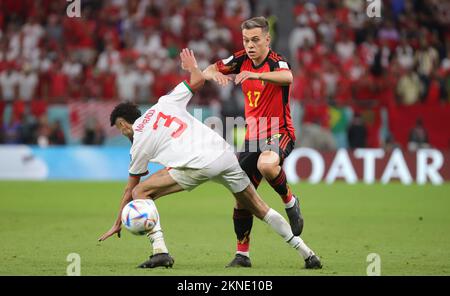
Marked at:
<point>279,224</point>
<point>157,242</point>
<point>282,227</point>
<point>297,243</point>
<point>246,254</point>
<point>157,238</point>
<point>290,204</point>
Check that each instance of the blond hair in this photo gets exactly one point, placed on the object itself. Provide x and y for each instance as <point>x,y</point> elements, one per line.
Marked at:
<point>256,22</point>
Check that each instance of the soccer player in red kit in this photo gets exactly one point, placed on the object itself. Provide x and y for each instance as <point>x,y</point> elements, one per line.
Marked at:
<point>265,77</point>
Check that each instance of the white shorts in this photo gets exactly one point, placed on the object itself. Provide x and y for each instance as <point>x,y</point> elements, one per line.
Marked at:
<point>224,170</point>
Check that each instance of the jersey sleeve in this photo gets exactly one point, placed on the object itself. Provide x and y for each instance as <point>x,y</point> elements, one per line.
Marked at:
<point>180,95</point>
<point>138,163</point>
<point>232,64</point>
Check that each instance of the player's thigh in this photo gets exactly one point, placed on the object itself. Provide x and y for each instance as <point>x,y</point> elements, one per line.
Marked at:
<point>229,173</point>
<point>159,184</point>
<point>274,153</point>
<point>166,191</point>
<point>189,179</point>
<point>235,179</point>
<point>249,163</point>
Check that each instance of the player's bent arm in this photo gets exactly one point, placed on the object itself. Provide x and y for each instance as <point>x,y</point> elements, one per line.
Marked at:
<point>127,196</point>
<point>115,229</point>
<point>197,79</point>
<point>210,71</point>
<point>189,63</point>
<point>277,77</point>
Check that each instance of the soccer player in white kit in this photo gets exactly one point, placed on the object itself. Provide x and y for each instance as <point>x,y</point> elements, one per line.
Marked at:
<point>192,154</point>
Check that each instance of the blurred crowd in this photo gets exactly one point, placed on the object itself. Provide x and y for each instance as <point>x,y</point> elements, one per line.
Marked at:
<point>345,58</point>
<point>402,57</point>
<point>128,50</point>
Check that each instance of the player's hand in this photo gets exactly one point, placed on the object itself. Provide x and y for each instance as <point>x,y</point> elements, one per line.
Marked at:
<point>114,229</point>
<point>188,61</point>
<point>221,79</point>
<point>244,75</point>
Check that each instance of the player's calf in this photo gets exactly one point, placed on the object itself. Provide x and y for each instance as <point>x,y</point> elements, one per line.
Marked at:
<point>269,167</point>
<point>250,199</point>
<point>280,225</point>
<point>291,202</point>
<point>243,222</point>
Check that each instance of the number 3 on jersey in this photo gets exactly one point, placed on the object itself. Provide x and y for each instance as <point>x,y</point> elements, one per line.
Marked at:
<point>253,97</point>
<point>168,121</point>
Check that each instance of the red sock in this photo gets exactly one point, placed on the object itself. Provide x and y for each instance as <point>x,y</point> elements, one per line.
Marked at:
<point>243,221</point>
<point>288,197</point>
<point>243,245</point>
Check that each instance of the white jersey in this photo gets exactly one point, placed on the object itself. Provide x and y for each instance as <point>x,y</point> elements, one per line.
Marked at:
<point>169,135</point>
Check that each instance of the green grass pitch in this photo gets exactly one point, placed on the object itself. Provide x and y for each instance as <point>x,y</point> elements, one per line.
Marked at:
<point>408,226</point>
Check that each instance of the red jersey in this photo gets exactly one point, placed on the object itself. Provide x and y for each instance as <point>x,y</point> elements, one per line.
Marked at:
<point>267,110</point>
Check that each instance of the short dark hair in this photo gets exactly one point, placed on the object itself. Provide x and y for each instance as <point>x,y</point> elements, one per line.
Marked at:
<point>256,22</point>
<point>127,110</point>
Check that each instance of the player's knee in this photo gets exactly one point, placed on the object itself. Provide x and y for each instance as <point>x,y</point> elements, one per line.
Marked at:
<point>136,193</point>
<point>268,163</point>
<point>141,192</point>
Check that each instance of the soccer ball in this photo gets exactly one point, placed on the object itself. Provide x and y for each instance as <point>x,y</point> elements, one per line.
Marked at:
<point>140,216</point>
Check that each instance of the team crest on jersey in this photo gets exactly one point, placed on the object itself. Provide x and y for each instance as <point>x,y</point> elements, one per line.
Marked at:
<point>272,139</point>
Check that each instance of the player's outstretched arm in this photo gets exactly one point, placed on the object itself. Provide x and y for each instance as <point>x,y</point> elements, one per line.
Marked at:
<point>275,77</point>
<point>189,63</point>
<point>126,198</point>
<point>212,73</point>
